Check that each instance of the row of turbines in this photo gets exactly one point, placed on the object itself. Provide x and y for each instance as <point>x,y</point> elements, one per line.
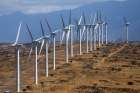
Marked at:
<point>94,32</point>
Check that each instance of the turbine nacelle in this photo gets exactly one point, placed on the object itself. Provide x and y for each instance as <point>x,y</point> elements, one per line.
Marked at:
<point>127,24</point>
<point>66,29</point>
<point>35,42</point>
<point>15,44</point>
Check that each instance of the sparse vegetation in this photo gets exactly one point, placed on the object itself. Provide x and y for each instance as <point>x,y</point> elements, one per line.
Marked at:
<point>96,72</point>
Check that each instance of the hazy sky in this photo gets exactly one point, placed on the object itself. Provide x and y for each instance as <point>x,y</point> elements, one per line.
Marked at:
<point>41,6</point>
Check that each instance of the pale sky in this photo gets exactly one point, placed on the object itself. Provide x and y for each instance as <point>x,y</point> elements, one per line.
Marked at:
<point>41,6</point>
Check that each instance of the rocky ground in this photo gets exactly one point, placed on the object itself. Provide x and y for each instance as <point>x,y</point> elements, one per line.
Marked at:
<point>114,68</point>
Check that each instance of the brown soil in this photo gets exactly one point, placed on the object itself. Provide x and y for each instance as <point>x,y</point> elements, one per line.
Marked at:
<point>114,68</point>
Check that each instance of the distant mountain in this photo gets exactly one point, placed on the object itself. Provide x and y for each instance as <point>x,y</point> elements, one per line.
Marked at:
<point>113,10</point>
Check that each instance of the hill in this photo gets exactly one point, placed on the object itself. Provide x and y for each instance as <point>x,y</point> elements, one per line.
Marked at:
<point>113,10</point>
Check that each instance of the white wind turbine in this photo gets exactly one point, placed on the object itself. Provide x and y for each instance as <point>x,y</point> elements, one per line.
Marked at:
<point>79,29</point>
<point>95,27</point>
<point>87,33</point>
<point>95,35</point>
<point>53,39</point>
<point>45,41</point>
<point>99,29</point>
<point>91,26</point>
<point>101,32</point>
<point>66,33</point>
<point>126,23</point>
<point>93,32</point>
<point>34,46</point>
<point>71,34</point>
<point>106,31</point>
<point>102,29</point>
<point>18,69</point>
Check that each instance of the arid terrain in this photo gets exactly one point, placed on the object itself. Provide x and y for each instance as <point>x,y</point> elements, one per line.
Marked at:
<point>114,68</point>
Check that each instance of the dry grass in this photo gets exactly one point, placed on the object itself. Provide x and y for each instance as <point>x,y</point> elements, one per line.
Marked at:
<point>111,69</point>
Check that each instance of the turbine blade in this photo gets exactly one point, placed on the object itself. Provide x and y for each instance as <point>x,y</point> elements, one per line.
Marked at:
<point>94,20</point>
<point>30,34</point>
<point>97,16</point>
<point>68,35</point>
<point>83,31</point>
<point>42,44</point>
<point>100,16</point>
<point>62,20</point>
<point>42,30</point>
<point>50,30</point>
<point>84,36</point>
<point>84,18</point>
<point>90,18</point>
<point>30,52</point>
<point>58,30</point>
<point>76,22</point>
<point>63,34</point>
<point>105,19</point>
<point>125,20</point>
<point>77,27</point>
<point>80,20</point>
<point>97,25</point>
<point>18,33</point>
<point>70,17</point>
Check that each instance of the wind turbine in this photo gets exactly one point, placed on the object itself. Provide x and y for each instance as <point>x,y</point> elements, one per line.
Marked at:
<point>102,29</point>
<point>101,32</point>
<point>86,28</point>
<point>106,31</point>
<point>79,29</point>
<point>66,33</point>
<point>99,29</point>
<point>83,28</point>
<point>94,27</point>
<point>91,29</point>
<point>126,23</point>
<point>18,69</point>
<point>45,41</point>
<point>71,34</point>
<point>95,36</point>
<point>89,32</point>
<point>34,46</point>
<point>53,36</point>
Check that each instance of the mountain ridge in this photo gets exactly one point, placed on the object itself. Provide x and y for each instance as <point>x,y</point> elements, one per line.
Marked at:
<point>115,11</point>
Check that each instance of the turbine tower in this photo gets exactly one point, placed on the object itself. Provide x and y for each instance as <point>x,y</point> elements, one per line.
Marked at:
<point>45,41</point>
<point>91,33</point>
<point>18,68</point>
<point>87,32</point>
<point>34,46</point>
<point>126,23</point>
<point>53,36</point>
<point>106,31</point>
<point>67,44</point>
<point>99,22</point>
<point>79,29</point>
<point>94,29</point>
<point>66,32</point>
<point>101,27</point>
<point>71,34</point>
